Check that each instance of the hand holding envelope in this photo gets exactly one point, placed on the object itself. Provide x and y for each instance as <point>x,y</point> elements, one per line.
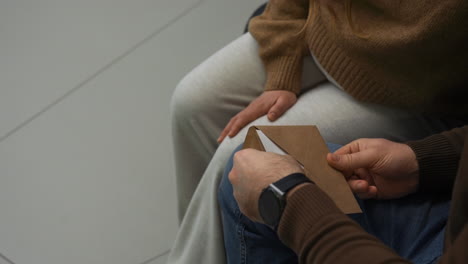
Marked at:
<point>307,147</point>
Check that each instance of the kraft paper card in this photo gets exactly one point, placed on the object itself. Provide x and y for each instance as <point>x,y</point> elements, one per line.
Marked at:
<point>306,145</point>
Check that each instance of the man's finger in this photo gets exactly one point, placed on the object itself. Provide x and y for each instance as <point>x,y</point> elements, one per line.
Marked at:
<point>358,186</point>
<point>370,194</point>
<point>351,162</point>
<point>353,146</point>
<point>232,176</point>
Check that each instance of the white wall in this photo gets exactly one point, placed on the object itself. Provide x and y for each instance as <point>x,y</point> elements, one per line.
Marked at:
<point>86,166</point>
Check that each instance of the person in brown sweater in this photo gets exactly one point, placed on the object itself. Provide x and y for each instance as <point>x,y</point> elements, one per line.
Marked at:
<point>315,228</point>
<point>406,54</point>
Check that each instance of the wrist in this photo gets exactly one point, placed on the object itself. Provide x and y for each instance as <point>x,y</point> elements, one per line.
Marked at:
<point>273,198</point>
<point>412,168</point>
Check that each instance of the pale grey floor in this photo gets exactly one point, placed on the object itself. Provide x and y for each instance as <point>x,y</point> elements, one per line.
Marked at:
<point>86,166</point>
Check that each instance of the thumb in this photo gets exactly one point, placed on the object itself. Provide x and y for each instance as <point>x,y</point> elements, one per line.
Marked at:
<point>279,108</point>
<point>350,162</point>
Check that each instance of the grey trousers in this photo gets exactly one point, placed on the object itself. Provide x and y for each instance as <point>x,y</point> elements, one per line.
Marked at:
<point>222,86</point>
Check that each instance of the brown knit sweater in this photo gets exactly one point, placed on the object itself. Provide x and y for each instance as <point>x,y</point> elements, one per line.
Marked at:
<point>318,232</point>
<point>408,54</point>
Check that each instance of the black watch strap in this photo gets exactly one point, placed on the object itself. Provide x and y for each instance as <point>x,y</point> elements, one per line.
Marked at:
<point>291,181</point>
<point>272,200</point>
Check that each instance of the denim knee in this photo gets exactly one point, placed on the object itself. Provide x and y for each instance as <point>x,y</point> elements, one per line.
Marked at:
<point>225,193</point>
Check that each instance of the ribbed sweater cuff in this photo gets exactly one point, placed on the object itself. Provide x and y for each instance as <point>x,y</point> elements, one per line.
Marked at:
<point>438,163</point>
<point>304,209</point>
<point>284,73</point>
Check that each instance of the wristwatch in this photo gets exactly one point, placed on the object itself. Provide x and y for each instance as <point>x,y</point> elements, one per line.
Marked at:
<point>272,200</point>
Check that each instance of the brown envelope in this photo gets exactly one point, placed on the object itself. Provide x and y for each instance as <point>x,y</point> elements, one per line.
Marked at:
<point>306,145</point>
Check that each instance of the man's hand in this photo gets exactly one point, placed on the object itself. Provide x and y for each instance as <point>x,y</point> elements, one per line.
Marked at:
<point>273,103</point>
<point>377,168</point>
<point>252,172</point>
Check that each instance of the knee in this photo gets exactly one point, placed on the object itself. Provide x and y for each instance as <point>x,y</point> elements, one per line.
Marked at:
<point>226,200</point>
<point>190,97</point>
<point>225,192</point>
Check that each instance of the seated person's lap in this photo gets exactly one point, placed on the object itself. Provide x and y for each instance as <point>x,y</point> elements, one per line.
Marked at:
<point>413,226</point>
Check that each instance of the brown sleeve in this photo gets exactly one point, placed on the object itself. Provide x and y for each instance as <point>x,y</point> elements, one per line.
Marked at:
<point>438,158</point>
<point>456,234</point>
<point>279,32</point>
<point>456,253</point>
<point>319,232</point>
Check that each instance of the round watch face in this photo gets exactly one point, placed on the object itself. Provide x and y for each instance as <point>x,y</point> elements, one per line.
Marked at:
<point>269,207</point>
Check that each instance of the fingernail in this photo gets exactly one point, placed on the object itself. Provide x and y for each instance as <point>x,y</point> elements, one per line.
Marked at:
<point>335,157</point>
<point>272,115</point>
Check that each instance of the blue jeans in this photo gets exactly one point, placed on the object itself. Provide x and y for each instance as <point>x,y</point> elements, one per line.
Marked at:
<point>413,226</point>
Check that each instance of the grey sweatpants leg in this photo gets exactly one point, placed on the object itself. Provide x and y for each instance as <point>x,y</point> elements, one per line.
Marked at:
<point>207,98</point>
<point>223,85</point>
